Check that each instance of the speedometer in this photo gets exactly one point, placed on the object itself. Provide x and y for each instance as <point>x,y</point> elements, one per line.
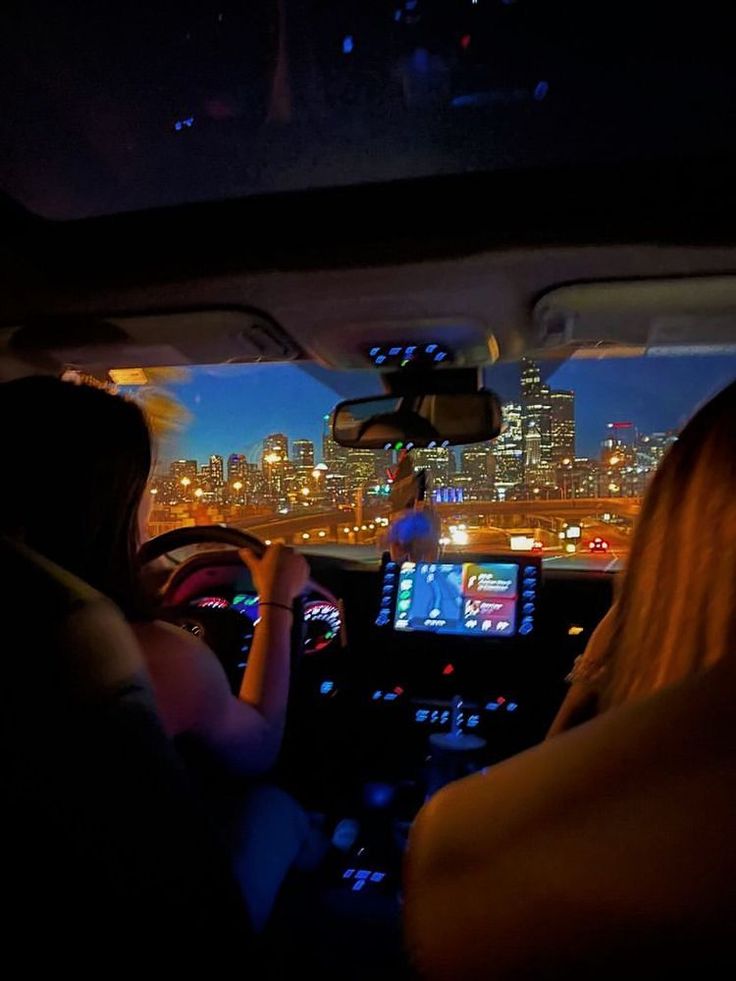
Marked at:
<point>323,621</point>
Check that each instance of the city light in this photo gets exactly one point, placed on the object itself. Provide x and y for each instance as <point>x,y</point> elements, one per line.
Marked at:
<point>535,459</point>
<point>458,535</point>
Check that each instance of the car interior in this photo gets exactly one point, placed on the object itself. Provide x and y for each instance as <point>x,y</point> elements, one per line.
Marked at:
<point>604,850</point>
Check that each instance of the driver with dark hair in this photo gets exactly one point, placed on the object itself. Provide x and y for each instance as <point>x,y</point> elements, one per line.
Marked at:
<point>83,503</point>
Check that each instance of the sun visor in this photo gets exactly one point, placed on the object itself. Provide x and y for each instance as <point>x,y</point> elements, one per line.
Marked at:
<point>157,339</point>
<point>665,316</point>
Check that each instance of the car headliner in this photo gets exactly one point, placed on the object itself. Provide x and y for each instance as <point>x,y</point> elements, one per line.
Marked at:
<point>481,246</point>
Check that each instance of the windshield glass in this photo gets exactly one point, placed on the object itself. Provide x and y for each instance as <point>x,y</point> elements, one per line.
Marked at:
<point>252,447</point>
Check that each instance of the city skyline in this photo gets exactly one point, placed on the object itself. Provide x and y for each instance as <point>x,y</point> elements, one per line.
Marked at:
<point>658,394</point>
<point>536,456</point>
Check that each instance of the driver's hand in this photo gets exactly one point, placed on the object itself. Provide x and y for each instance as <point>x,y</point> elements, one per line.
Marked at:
<point>280,575</point>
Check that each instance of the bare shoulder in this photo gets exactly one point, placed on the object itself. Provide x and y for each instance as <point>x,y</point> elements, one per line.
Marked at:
<point>190,685</point>
<point>162,641</point>
<point>167,635</point>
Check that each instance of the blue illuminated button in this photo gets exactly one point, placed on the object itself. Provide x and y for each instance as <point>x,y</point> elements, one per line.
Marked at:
<point>326,687</point>
<point>390,565</point>
<point>511,707</point>
<point>526,627</point>
<point>421,715</point>
<point>530,584</point>
<point>473,721</point>
<point>382,618</point>
<point>348,873</point>
<point>378,876</point>
<point>362,874</point>
<point>492,707</point>
<point>528,594</point>
<point>528,608</point>
<point>390,696</point>
<point>376,695</point>
<point>357,886</point>
<point>530,570</point>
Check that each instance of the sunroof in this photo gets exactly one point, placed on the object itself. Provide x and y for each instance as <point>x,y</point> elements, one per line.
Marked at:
<point>109,108</point>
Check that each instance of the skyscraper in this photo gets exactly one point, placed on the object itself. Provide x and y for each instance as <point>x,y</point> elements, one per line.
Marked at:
<point>436,461</point>
<point>532,447</point>
<point>563,425</point>
<point>217,473</point>
<point>361,468</point>
<point>184,469</point>
<point>276,443</point>
<point>274,464</point>
<point>303,453</point>
<point>508,449</point>
<point>334,455</point>
<point>536,414</point>
<point>237,467</point>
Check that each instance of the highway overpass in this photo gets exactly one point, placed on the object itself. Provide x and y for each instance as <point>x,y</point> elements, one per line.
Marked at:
<point>332,523</point>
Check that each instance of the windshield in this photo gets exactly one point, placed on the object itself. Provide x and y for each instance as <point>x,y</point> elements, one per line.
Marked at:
<point>581,440</point>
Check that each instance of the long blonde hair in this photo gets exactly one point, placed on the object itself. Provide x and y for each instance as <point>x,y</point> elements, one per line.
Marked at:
<point>676,612</point>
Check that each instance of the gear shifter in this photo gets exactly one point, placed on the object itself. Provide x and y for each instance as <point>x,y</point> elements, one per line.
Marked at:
<point>453,754</point>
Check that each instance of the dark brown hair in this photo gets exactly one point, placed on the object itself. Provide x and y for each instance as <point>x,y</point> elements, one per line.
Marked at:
<point>77,461</point>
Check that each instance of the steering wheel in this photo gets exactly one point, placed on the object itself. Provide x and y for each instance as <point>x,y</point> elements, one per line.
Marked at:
<point>223,633</point>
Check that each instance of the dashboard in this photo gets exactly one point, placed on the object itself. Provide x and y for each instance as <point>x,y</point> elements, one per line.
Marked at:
<point>479,642</point>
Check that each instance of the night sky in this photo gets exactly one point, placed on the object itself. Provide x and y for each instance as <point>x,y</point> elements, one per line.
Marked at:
<point>235,406</point>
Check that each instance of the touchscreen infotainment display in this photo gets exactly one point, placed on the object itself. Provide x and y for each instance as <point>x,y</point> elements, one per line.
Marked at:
<point>486,599</point>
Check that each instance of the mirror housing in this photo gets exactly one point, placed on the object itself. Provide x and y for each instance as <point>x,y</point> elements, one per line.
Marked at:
<point>417,421</point>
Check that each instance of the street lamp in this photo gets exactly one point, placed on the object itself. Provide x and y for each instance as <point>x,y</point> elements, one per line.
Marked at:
<point>198,492</point>
<point>185,482</point>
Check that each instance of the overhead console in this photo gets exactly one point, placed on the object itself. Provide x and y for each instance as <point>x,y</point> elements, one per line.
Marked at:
<point>489,597</point>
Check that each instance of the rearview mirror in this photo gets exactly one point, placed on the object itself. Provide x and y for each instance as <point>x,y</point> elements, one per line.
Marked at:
<point>446,419</point>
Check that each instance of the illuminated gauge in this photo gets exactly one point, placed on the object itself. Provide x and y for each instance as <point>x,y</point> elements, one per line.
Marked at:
<point>211,603</point>
<point>247,605</point>
<point>323,622</point>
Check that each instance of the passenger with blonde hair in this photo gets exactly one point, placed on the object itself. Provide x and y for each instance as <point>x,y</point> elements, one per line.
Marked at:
<point>607,851</point>
<point>676,610</point>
